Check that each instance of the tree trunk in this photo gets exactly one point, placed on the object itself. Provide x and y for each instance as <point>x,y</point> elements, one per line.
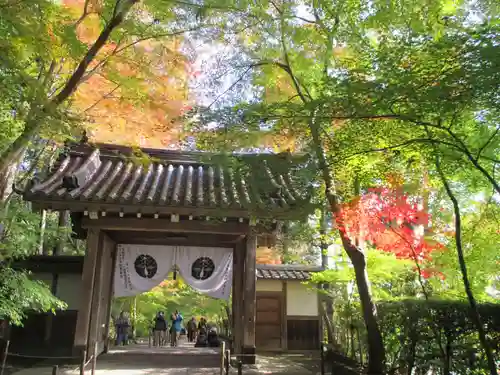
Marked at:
<point>327,319</point>
<point>476,317</point>
<point>41,240</point>
<point>376,351</point>
<point>328,310</point>
<point>6,180</point>
<point>62,225</point>
<point>229,315</point>
<point>134,318</point>
<point>285,256</point>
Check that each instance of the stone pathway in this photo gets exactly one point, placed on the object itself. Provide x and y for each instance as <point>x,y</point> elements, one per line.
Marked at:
<point>182,360</point>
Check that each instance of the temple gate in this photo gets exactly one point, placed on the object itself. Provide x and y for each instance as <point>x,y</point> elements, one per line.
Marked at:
<point>117,195</point>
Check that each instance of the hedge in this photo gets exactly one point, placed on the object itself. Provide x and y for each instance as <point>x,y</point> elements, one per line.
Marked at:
<point>436,336</point>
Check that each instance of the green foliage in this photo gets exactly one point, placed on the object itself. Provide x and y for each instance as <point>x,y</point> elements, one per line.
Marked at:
<point>391,278</point>
<point>19,295</point>
<point>410,328</point>
<point>168,297</point>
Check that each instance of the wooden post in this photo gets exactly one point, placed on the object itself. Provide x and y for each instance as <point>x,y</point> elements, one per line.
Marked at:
<point>222,353</point>
<point>234,299</point>
<point>238,297</point>
<point>88,275</point>
<point>4,356</point>
<point>284,321</point>
<point>322,358</point>
<point>249,299</point>
<point>83,360</point>
<point>227,360</point>
<point>94,358</point>
<point>95,321</point>
<point>110,299</point>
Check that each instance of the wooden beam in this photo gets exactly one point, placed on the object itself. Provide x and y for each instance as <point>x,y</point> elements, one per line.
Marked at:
<point>185,239</point>
<point>249,298</point>
<point>88,275</point>
<point>145,209</point>
<point>75,205</point>
<point>161,225</point>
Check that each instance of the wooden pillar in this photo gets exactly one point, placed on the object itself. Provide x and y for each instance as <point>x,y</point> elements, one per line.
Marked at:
<point>238,297</point>
<point>89,271</point>
<point>110,299</point>
<point>284,322</point>
<point>249,299</point>
<point>234,300</point>
<point>96,306</point>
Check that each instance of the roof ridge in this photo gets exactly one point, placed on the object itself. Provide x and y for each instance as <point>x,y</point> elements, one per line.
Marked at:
<point>110,150</point>
<point>291,267</point>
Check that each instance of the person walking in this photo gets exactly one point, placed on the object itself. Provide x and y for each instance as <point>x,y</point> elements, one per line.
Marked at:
<point>191,329</point>
<point>202,324</point>
<point>122,325</point>
<point>159,329</point>
<point>176,327</point>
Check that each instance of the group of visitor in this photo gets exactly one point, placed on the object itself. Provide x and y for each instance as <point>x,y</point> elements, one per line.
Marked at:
<point>200,333</point>
<point>161,328</point>
<point>207,336</point>
<point>193,329</point>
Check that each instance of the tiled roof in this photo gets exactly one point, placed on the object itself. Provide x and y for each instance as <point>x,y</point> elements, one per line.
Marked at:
<point>173,182</point>
<point>285,272</point>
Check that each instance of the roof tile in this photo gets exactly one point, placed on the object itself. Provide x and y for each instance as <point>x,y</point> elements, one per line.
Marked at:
<point>285,272</point>
<point>173,179</point>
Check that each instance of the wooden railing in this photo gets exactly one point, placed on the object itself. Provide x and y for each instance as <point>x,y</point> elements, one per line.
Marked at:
<point>83,362</point>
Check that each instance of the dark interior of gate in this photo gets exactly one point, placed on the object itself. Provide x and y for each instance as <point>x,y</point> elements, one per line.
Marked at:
<point>119,195</point>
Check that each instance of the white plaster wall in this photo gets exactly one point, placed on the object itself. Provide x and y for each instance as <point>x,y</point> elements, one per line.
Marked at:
<point>269,285</point>
<point>68,287</point>
<point>300,301</point>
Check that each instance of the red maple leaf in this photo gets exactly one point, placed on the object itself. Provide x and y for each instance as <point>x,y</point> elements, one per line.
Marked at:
<point>391,221</point>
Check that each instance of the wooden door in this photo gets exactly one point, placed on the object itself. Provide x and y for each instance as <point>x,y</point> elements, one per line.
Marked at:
<point>268,321</point>
<point>303,334</point>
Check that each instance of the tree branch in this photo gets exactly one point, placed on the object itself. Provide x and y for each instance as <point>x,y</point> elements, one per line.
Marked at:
<point>287,66</point>
<point>77,75</point>
<point>85,13</point>
<point>240,78</point>
<point>487,142</point>
<point>463,147</point>
<point>105,96</point>
<point>403,144</point>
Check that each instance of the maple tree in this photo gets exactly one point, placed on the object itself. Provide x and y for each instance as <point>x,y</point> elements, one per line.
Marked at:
<point>391,221</point>
<point>139,93</point>
<point>116,63</point>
